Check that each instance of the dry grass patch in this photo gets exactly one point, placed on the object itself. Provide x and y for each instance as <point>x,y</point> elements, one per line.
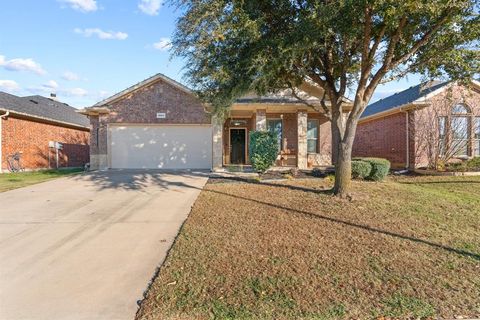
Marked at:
<point>408,247</point>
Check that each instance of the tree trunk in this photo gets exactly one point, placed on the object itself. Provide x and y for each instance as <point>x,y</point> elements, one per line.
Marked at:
<point>343,135</point>
<point>343,170</point>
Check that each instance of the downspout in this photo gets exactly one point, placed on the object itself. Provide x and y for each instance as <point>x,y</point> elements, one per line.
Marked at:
<point>407,156</point>
<point>1,135</point>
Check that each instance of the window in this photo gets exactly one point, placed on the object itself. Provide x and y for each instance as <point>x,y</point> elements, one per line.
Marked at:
<point>312,136</point>
<point>442,128</point>
<point>459,109</point>
<point>459,136</point>
<point>477,136</point>
<point>275,126</point>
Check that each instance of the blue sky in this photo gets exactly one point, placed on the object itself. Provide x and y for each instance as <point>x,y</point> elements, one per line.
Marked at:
<point>87,50</point>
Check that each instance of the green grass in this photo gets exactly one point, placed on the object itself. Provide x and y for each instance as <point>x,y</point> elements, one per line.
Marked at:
<point>406,248</point>
<point>10,181</point>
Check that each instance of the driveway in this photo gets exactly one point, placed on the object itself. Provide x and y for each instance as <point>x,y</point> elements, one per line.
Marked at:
<point>86,247</point>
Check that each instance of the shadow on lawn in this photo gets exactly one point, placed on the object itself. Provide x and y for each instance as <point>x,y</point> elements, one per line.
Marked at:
<point>441,182</point>
<point>355,225</point>
<point>140,179</point>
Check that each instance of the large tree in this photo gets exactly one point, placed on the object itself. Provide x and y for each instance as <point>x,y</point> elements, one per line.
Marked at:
<point>328,48</point>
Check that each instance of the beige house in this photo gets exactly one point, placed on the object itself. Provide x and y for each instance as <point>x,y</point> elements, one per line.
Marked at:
<point>160,124</point>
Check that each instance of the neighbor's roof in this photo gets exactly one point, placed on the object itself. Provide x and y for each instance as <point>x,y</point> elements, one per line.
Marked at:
<point>42,108</point>
<point>402,98</point>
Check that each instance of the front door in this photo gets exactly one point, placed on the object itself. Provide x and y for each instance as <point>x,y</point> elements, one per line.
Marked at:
<point>237,146</point>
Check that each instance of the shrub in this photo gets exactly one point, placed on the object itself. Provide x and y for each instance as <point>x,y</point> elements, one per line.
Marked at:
<point>361,169</point>
<point>318,173</point>
<point>263,150</point>
<point>380,168</point>
<point>474,164</point>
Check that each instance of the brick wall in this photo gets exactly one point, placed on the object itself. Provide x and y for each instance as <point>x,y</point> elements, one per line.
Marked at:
<point>31,138</point>
<point>384,138</point>
<point>142,106</point>
<point>426,120</point>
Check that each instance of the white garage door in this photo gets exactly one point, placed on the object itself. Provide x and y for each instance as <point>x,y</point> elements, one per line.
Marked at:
<point>161,147</point>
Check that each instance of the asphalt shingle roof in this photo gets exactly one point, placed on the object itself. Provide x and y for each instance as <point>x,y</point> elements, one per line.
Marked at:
<point>39,106</point>
<point>403,97</point>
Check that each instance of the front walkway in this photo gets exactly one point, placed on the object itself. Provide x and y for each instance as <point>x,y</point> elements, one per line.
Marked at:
<point>86,247</point>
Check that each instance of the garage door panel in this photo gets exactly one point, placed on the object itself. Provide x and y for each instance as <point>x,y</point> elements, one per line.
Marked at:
<point>161,147</point>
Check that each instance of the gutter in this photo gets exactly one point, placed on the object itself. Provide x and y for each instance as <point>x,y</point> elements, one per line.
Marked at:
<point>388,112</point>
<point>6,114</point>
<point>26,115</point>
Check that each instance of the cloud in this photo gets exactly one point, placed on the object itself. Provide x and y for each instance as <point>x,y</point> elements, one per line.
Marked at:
<point>20,64</point>
<point>82,5</point>
<point>53,87</point>
<point>104,35</point>
<point>9,85</point>
<point>150,7</point>
<point>70,76</point>
<point>52,84</point>
<point>74,92</point>
<point>163,45</point>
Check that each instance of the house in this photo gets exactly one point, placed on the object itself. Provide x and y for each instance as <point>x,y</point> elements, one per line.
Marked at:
<point>46,132</point>
<point>160,123</point>
<point>421,125</point>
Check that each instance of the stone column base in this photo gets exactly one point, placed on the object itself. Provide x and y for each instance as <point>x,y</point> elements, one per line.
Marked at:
<point>98,162</point>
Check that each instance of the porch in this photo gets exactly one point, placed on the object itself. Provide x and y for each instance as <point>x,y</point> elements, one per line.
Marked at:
<point>304,136</point>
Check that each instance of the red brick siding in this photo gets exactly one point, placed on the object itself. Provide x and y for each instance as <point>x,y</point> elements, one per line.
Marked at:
<point>31,138</point>
<point>384,138</point>
<point>142,106</point>
<point>440,105</point>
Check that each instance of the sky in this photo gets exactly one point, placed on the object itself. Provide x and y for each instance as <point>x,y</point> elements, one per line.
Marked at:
<point>87,50</point>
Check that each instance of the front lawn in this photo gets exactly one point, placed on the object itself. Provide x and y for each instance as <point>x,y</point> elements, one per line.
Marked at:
<point>407,247</point>
<point>9,181</point>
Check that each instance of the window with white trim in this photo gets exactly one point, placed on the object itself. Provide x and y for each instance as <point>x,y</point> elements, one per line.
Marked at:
<point>459,127</point>
<point>442,134</point>
<point>476,136</point>
<point>312,136</point>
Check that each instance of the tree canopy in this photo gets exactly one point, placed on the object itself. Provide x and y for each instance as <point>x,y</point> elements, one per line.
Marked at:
<point>232,46</point>
<point>343,47</point>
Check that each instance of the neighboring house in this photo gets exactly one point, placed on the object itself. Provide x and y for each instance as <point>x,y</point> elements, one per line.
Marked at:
<point>31,125</point>
<point>422,125</point>
<point>159,123</point>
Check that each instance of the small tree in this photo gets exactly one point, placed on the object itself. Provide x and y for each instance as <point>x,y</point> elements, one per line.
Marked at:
<point>327,48</point>
<point>263,150</point>
<point>439,135</point>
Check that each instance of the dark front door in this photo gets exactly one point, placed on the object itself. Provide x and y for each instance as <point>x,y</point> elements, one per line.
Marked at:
<point>237,146</point>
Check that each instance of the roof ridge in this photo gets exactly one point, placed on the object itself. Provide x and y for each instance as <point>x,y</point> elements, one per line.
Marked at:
<point>140,84</point>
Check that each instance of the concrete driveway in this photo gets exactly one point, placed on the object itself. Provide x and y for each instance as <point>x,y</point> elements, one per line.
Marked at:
<point>86,247</point>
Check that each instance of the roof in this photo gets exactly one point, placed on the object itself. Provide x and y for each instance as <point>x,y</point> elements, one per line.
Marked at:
<point>283,97</point>
<point>403,98</point>
<point>152,79</point>
<point>42,108</point>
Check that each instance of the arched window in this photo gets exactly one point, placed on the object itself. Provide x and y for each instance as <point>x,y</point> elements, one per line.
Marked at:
<point>460,109</point>
<point>459,126</point>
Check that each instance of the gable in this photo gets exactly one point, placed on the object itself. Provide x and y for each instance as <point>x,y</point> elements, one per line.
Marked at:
<point>159,96</point>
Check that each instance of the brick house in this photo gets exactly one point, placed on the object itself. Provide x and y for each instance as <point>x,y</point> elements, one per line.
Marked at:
<point>416,127</point>
<point>29,125</point>
<point>159,123</point>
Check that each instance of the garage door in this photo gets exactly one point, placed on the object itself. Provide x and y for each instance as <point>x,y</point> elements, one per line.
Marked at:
<point>161,147</point>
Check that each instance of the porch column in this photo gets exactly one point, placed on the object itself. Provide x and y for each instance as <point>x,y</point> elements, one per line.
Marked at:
<point>217,144</point>
<point>302,139</point>
<point>261,120</point>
